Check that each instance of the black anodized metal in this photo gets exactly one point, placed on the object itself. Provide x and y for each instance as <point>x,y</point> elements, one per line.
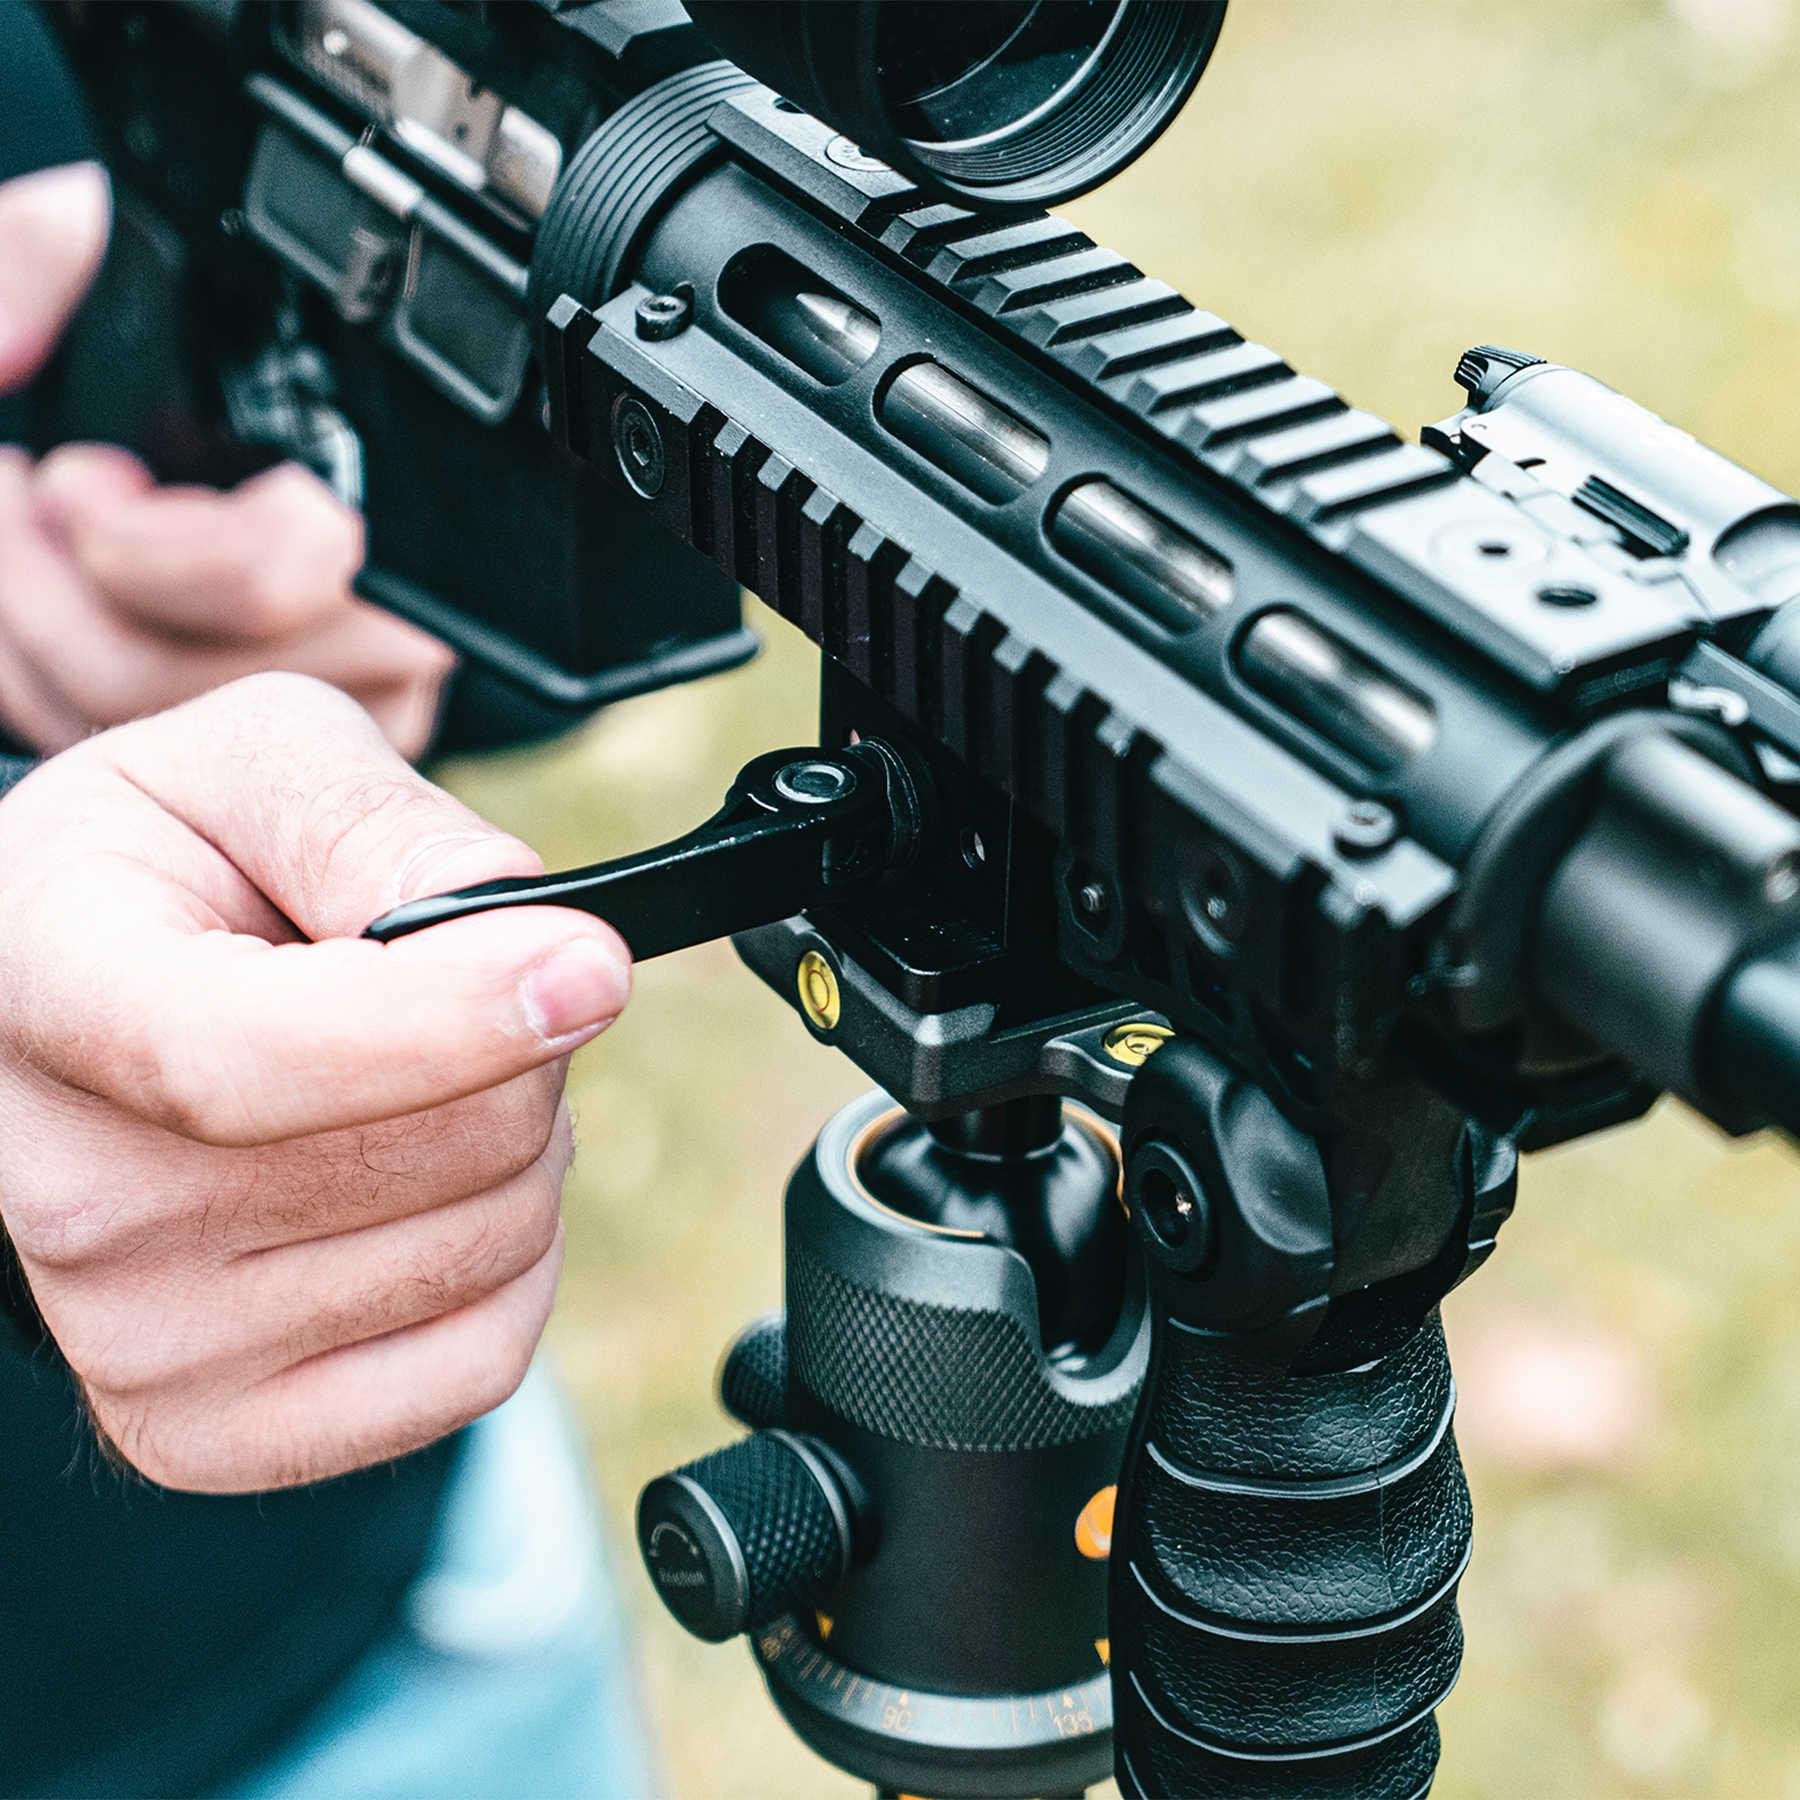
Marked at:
<point>963,1654</point>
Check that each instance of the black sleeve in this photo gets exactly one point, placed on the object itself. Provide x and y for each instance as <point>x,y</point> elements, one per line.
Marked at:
<point>43,123</point>
<point>43,119</point>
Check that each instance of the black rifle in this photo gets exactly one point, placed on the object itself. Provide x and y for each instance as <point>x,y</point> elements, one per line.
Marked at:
<point>1326,817</point>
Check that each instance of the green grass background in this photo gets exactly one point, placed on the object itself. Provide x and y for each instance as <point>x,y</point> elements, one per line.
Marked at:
<point>1370,185</point>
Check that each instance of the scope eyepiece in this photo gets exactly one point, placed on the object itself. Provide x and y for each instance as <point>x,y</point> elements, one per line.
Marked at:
<point>1000,103</point>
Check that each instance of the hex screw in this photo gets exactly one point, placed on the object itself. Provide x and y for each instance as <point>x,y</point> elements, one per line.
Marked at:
<point>638,445</point>
<point>662,316</point>
<point>1366,828</point>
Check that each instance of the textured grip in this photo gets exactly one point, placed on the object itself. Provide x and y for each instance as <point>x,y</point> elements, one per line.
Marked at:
<point>963,1378</point>
<point>618,180</point>
<point>753,1378</point>
<point>737,1538</point>
<point>1284,1577</point>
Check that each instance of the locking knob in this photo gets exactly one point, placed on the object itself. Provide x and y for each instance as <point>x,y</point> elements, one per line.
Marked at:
<point>753,1377</point>
<point>746,1534</point>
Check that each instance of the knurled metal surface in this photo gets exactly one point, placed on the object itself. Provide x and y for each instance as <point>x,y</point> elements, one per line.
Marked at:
<point>946,1378</point>
<point>617,179</point>
<point>783,1523</point>
<point>753,1382</point>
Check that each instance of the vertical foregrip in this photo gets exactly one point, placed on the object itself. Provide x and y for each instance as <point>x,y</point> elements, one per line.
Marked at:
<point>1284,1576</point>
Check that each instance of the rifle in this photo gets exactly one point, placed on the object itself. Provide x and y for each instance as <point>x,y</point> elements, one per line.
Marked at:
<point>1234,833</point>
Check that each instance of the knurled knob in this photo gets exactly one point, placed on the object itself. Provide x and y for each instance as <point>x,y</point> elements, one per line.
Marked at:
<point>1482,369</point>
<point>753,1377</point>
<point>746,1534</point>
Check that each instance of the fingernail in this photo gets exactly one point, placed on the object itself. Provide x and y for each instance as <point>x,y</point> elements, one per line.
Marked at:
<point>575,994</point>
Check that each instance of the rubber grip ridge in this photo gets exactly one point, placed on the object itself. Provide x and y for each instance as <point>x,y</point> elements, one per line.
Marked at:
<point>1284,1576</point>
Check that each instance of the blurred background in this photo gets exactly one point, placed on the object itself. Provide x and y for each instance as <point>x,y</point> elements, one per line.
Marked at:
<point>1370,188</point>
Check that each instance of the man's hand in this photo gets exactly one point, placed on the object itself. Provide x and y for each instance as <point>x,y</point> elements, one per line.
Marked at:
<point>288,1200</point>
<point>119,598</point>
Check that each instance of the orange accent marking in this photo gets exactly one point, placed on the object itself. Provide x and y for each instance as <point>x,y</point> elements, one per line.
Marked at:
<point>1104,1646</point>
<point>825,1624</point>
<point>1094,1525</point>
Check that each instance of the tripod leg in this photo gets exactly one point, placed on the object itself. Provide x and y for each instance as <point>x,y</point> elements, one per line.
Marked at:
<point>1284,1576</point>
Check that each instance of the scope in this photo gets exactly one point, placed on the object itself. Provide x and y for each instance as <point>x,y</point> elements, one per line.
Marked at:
<point>1002,103</point>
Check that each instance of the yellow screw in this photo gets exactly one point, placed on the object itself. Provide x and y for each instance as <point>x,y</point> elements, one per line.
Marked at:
<point>1135,1044</point>
<point>818,985</point>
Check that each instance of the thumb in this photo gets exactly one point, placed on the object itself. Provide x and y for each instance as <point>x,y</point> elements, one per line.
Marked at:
<point>232,1039</point>
<point>229,1039</point>
<point>53,227</point>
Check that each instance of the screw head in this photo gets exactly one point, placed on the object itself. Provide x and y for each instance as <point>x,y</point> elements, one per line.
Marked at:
<point>815,782</point>
<point>1366,828</point>
<point>1214,895</point>
<point>1781,879</point>
<point>1135,1044</point>
<point>660,316</point>
<point>1170,1206</point>
<point>638,446</point>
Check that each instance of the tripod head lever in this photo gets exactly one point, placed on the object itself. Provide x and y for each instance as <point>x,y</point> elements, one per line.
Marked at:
<point>797,827</point>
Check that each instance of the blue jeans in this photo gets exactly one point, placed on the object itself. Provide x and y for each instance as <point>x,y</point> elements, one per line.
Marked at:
<point>507,1675</point>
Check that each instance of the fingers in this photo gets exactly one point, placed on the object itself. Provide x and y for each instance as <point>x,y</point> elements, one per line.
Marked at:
<point>94,667</point>
<point>193,1321</point>
<point>408,713</point>
<point>88,478</point>
<point>53,228</point>
<point>129,637</point>
<point>344,1180</point>
<point>363,1284</point>
<point>127,1202</point>
<point>393,669</point>
<point>229,1040</point>
<point>133,972</point>
<point>348,1408</point>
<point>296,785</point>
<point>36,586</point>
<point>72,659</point>
<point>259,564</point>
